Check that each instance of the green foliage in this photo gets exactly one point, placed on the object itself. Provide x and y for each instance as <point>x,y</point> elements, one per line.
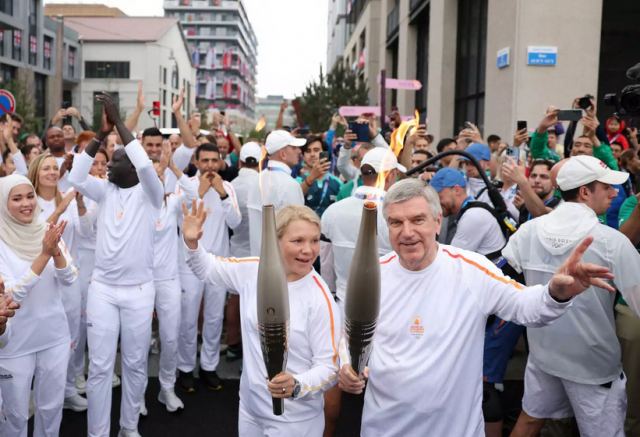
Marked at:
<point>25,105</point>
<point>322,98</point>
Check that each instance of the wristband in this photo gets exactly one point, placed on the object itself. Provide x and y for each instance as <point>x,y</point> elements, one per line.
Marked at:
<point>226,195</point>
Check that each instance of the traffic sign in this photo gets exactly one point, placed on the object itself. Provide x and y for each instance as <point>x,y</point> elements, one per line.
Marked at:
<point>7,102</point>
<point>402,84</point>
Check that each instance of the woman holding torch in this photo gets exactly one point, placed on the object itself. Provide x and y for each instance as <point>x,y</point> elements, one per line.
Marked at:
<point>313,327</point>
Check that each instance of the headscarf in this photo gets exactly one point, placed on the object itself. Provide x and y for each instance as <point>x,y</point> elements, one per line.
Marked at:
<point>24,239</point>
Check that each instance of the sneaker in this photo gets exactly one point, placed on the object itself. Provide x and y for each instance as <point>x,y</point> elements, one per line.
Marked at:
<point>75,403</point>
<point>170,400</point>
<point>115,381</point>
<point>210,379</point>
<point>143,409</point>
<point>81,384</point>
<point>234,352</point>
<point>128,433</point>
<point>186,381</point>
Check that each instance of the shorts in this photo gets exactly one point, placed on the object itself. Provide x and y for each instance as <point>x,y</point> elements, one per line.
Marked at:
<point>599,409</point>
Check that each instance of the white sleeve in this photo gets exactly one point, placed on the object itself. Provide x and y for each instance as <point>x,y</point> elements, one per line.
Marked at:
<point>504,297</point>
<point>80,179</point>
<point>292,195</point>
<point>378,141</point>
<point>182,156</point>
<point>511,251</point>
<point>149,179</point>
<point>232,215</point>
<point>626,273</point>
<point>327,270</point>
<point>344,166</point>
<point>229,273</point>
<point>472,229</point>
<point>188,189</point>
<point>20,163</point>
<point>323,334</point>
<point>69,273</point>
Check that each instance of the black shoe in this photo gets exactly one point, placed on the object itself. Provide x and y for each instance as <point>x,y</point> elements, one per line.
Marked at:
<point>234,352</point>
<point>186,381</point>
<point>210,379</point>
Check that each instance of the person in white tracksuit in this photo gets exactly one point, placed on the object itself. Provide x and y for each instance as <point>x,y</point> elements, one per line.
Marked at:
<point>165,276</point>
<point>220,199</point>
<point>313,326</point>
<point>35,265</point>
<point>121,295</point>
<point>425,368</point>
<point>7,310</point>
<point>45,175</point>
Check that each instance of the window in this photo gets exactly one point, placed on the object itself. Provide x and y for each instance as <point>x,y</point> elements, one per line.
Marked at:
<point>16,53</point>
<point>422,58</point>
<point>470,63</point>
<point>6,6</point>
<point>106,70</point>
<point>40,83</point>
<point>72,62</point>
<point>46,52</point>
<point>33,32</point>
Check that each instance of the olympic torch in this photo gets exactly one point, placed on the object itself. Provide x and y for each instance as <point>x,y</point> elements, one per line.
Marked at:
<point>363,290</point>
<point>273,302</point>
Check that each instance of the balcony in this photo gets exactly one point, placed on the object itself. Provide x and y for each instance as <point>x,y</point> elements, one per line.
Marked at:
<point>393,23</point>
<point>415,6</point>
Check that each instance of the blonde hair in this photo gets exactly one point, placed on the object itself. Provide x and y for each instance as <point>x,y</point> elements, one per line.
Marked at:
<point>291,213</point>
<point>34,172</point>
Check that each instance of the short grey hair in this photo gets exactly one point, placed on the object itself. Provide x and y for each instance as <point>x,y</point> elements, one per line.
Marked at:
<point>408,189</point>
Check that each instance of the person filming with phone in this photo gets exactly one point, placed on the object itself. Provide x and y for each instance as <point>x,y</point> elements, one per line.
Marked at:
<point>319,186</point>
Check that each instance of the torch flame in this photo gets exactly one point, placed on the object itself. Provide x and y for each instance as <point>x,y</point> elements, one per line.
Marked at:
<point>398,135</point>
<point>388,162</point>
<point>260,124</point>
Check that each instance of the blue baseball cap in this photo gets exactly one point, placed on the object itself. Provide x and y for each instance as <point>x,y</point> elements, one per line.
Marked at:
<point>446,178</point>
<point>479,151</point>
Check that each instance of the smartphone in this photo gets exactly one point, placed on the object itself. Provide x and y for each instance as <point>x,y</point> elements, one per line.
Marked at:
<point>423,118</point>
<point>514,153</point>
<point>468,125</point>
<point>361,130</point>
<point>585,102</point>
<point>521,124</point>
<point>302,131</point>
<point>324,155</point>
<point>569,114</point>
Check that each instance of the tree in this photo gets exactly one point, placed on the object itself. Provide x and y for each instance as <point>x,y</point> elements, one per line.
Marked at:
<point>25,105</point>
<point>322,98</point>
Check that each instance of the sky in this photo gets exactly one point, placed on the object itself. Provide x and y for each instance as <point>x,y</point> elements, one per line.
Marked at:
<point>292,39</point>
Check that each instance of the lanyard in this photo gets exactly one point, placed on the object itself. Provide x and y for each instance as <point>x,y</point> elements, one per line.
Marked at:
<point>282,170</point>
<point>546,203</point>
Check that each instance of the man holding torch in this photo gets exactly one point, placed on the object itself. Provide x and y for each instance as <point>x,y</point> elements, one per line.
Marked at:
<point>425,370</point>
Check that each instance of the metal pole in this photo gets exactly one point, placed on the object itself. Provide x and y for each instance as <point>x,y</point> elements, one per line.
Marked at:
<point>383,97</point>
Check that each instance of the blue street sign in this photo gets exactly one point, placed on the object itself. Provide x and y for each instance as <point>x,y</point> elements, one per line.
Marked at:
<point>542,55</point>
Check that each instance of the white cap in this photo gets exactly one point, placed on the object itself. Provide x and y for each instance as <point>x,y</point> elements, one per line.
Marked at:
<point>251,150</point>
<point>382,159</point>
<point>583,169</point>
<point>279,139</point>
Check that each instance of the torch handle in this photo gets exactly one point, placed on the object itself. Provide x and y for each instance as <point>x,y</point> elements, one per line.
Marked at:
<point>278,406</point>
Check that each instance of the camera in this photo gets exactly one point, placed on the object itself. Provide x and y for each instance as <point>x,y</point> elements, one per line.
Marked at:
<point>628,102</point>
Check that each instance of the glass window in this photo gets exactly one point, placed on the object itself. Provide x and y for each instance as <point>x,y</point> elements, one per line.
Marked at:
<point>6,6</point>
<point>106,70</point>
<point>470,63</point>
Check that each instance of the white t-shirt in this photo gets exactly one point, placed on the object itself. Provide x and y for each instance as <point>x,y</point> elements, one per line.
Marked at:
<point>166,241</point>
<point>425,369</point>
<point>126,219</point>
<point>478,231</point>
<point>246,180</point>
<point>581,346</point>
<point>40,323</point>
<point>341,224</point>
<point>313,335</point>
<point>280,190</point>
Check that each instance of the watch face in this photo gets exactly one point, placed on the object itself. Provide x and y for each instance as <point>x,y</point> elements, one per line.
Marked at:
<point>296,390</point>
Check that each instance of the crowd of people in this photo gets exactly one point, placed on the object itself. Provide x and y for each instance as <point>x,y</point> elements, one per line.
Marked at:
<point>103,231</point>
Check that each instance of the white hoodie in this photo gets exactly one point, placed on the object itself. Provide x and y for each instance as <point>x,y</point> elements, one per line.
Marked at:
<point>581,346</point>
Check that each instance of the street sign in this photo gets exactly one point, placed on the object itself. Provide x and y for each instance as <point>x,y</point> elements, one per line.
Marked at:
<point>503,57</point>
<point>402,84</point>
<point>542,55</point>
<point>356,111</point>
<point>7,102</point>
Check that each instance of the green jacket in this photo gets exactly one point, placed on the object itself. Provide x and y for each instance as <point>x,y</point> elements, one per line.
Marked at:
<point>623,215</point>
<point>540,150</point>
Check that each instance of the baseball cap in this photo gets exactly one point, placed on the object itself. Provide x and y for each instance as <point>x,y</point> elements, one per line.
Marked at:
<point>583,169</point>
<point>446,178</point>
<point>479,151</point>
<point>251,150</point>
<point>279,139</point>
<point>382,159</point>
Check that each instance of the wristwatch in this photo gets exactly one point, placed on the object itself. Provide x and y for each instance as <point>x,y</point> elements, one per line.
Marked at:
<point>296,389</point>
<point>226,195</point>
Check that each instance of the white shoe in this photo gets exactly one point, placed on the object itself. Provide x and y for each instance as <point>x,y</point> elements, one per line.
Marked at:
<point>128,433</point>
<point>75,403</point>
<point>143,409</point>
<point>170,400</point>
<point>115,381</point>
<point>81,384</point>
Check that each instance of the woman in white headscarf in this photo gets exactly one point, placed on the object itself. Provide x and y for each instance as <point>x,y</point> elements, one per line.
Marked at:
<point>34,264</point>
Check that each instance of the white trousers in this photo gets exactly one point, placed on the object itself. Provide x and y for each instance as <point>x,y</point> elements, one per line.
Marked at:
<point>86,262</point>
<point>214,299</point>
<point>127,311</point>
<point>168,309</point>
<point>47,369</point>
<point>71,297</point>
<point>250,426</point>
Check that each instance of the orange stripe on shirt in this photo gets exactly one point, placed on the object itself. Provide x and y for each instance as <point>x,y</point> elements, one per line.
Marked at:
<point>485,270</point>
<point>387,261</point>
<point>333,328</point>
<point>239,260</point>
